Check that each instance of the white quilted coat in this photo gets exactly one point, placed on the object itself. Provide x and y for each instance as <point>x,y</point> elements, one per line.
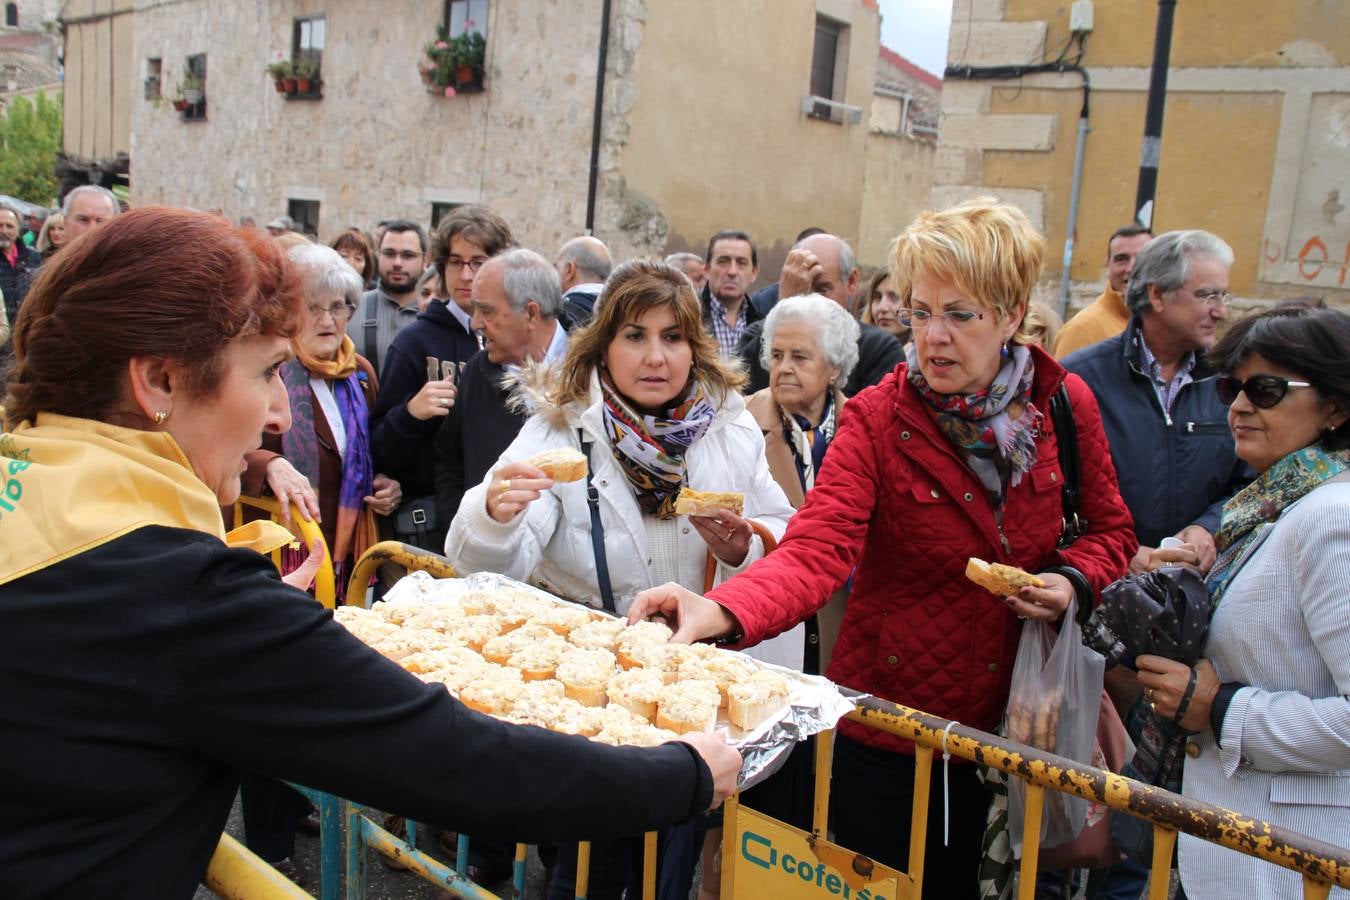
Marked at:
<point>549,545</point>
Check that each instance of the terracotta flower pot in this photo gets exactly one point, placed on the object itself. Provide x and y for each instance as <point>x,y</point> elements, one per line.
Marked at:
<point>288,85</point>
<point>464,75</point>
<point>281,87</point>
<point>180,105</point>
<point>303,85</point>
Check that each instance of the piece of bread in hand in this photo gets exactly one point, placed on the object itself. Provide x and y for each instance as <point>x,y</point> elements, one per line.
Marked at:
<point>707,503</point>
<point>999,579</point>
<point>562,464</point>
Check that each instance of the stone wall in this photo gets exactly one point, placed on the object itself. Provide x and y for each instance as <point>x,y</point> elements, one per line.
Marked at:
<point>899,184</point>
<point>377,145</point>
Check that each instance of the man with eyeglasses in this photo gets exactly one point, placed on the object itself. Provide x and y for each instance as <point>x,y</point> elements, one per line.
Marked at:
<point>392,306</point>
<point>419,376</point>
<point>1165,421</point>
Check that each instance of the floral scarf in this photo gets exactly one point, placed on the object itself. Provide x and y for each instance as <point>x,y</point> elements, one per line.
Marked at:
<point>354,530</point>
<point>1261,502</point>
<point>651,449</point>
<point>995,429</point>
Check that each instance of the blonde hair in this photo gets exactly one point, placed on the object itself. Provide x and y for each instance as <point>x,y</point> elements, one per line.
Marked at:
<point>632,289</point>
<point>1040,325</point>
<point>988,250</point>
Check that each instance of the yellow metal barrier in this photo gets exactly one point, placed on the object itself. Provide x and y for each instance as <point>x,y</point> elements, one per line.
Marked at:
<point>306,531</point>
<point>236,874</point>
<point>397,553</point>
<point>1321,865</point>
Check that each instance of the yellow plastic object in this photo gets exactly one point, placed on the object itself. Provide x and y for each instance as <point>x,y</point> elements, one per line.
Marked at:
<point>235,873</point>
<point>306,531</point>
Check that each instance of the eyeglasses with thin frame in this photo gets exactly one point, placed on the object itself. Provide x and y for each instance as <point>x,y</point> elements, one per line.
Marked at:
<point>1210,296</point>
<point>338,311</point>
<point>1264,391</point>
<point>454,263</point>
<point>954,319</point>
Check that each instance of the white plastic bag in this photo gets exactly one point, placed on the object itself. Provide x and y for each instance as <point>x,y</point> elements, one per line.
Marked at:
<point>1053,705</point>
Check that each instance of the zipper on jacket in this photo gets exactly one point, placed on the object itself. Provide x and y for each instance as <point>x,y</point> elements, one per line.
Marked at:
<point>1007,547</point>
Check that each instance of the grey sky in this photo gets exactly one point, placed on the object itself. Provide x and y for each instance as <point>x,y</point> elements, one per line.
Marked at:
<point>917,30</point>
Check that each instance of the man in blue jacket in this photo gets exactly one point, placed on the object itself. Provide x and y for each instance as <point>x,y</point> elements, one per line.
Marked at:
<point>1166,425</point>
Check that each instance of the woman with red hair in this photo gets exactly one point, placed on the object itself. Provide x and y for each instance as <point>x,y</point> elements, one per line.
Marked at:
<point>145,662</point>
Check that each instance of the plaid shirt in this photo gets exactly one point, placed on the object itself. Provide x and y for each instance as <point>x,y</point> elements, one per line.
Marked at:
<point>728,336</point>
<point>1166,390</point>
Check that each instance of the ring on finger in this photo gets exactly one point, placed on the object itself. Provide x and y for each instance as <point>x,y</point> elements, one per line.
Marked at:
<point>505,485</point>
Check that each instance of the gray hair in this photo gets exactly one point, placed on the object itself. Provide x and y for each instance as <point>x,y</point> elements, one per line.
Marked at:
<point>581,252</point>
<point>1165,261</point>
<point>90,189</point>
<point>847,261</point>
<point>679,260</point>
<point>422,279</point>
<point>528,276</point>
<point>836,331</point>
<point>325,273</point>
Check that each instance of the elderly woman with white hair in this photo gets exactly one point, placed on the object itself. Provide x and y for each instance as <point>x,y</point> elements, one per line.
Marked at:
<point>331,389</point>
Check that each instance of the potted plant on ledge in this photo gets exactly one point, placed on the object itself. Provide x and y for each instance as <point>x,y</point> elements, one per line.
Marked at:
<point>191,89</point>
<point>468,50</point>
<point>281,72</point>
<point>307,79</point>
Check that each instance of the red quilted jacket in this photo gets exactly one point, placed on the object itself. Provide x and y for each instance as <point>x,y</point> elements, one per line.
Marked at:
<point>895,499</point>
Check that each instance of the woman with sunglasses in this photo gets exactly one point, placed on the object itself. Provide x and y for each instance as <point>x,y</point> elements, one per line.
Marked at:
<point>1268,703</point>
<point>951,456</point>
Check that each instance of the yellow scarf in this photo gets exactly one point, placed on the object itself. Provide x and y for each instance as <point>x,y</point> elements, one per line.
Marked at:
<point>70,485</point>
<point>340,367</point>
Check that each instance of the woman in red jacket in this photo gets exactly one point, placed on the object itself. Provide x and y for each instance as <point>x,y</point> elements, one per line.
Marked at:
<point>950,456</point>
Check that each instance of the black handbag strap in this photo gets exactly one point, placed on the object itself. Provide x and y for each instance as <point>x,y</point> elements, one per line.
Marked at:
<point>369,325</point>
<point>1066,434</point>
<point>597,530</point>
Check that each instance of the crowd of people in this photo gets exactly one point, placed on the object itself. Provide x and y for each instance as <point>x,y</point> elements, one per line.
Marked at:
<point>882,430</point>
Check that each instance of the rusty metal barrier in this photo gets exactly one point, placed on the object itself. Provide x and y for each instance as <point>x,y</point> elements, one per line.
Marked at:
<point>1322,865</point>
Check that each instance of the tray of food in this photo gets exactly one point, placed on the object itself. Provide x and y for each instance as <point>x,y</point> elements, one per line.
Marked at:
<point>520,654</point>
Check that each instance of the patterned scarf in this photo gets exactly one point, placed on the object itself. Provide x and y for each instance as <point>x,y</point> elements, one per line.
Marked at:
<point>651,449</point>
<point>995,428</point>
<point>355,529</point>
<point>808,451</point>
<point>1260,503</point>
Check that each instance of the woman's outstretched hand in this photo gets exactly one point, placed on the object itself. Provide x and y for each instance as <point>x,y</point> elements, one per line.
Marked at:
<point>693,616</point>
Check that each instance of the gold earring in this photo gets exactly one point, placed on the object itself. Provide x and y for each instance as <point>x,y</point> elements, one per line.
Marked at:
<point>160,416</point>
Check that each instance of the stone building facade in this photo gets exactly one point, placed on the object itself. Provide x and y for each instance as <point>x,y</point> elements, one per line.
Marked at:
<point>703,123</point>
<point>1254,144</point>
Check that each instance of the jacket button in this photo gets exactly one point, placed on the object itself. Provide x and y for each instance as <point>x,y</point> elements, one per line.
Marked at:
<point>904,435</point>
<point>813,638</point>
<point>649,562</point>
<point>1192,749</point>
<point>934,493</point>
<point>685,530</point>
<point>892,660</point>
<point>969,496</point>
<point>604,482</point>
<point>993,667</point>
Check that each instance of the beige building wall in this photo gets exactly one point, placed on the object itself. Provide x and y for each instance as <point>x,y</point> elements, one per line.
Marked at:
<point>100,79</point>
<point>377,145</point>
<point>898,185</point>
<point>717,138</point>
<point>1255,136</point>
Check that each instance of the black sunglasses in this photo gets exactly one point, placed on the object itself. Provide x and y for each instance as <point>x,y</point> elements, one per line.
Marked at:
<point>1264,391</point>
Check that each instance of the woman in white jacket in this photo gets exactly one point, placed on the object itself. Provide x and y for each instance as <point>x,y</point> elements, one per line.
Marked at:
<point>1269,702</point>
<point>645,395</point>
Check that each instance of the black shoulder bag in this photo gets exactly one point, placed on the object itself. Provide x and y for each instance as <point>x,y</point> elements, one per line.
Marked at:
<point>1073,525</point>
<point>369,325</point>
<point>597,530</point>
